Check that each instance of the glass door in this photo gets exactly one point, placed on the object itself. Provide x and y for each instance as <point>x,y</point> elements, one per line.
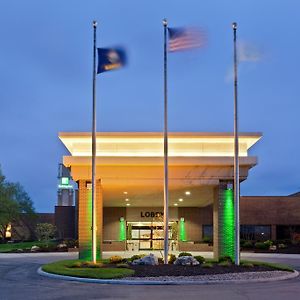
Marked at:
<point>145,239</point>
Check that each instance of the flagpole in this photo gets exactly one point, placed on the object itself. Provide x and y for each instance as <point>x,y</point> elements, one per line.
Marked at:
<point>166,188</point>
<point>236,155</point>
<point>94,223</point>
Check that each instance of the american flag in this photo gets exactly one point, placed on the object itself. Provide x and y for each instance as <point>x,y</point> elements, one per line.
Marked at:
<point>186,38</point>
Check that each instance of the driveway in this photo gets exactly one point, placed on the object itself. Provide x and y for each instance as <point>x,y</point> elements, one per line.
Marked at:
<point>19,281</point>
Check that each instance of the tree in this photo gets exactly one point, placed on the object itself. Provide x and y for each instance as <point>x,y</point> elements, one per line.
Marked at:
<point>14,202</point>
<point>45,231</point>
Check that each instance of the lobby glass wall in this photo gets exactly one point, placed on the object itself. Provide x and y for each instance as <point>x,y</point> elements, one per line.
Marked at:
<point>147,236</point>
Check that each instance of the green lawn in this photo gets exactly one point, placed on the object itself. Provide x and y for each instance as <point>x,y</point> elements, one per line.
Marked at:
<point>64,268</point>
<point>276,266</point>
<point>9,247</point>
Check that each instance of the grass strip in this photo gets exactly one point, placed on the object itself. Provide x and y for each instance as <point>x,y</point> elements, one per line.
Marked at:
<point>63,267</point>
<point>276,266</point>
<point>9,247</point>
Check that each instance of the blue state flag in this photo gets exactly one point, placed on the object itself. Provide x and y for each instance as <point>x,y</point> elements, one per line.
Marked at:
<point>110,59</point>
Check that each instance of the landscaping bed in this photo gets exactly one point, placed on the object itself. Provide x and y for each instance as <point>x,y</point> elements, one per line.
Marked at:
<point>116,267</point>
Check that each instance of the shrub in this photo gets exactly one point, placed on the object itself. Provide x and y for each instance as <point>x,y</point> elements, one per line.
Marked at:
<point>185,254</point>
<point>247,245</point>
<point>200,259</point>
<point>160,260</point>
<point>115,259</point>
<point>47,247</point>
<point>207,265</point>
<point>225,259</point>
<point>137,256</point>
<point>171,258</point>
<point>263,245</point>
<point>45,231</point>
<point>269,243</point>
<point>225,264</point>
<point>282,246</point>
<point>71,243</point>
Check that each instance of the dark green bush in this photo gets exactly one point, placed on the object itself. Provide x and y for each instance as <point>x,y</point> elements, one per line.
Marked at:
<point>71,243</point>
<point>137,256</point>
<point>200,259</point>
<point>263,245</point>
<point>225,259</point>
<point>184,254</point>
<point>47,247</point>
<point>247,245</point>
<point>171,258</point>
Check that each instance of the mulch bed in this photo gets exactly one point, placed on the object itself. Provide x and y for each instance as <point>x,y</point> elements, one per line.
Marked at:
<point>175,270</point>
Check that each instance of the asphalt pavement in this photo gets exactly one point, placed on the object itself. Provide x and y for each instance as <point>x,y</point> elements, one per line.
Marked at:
<point>19,281</point>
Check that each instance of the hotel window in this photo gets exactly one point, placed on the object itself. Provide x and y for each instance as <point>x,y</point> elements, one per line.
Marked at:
<point>255,232</point>
<point>207,232</point>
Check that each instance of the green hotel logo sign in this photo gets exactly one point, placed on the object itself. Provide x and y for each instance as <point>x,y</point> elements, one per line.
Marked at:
<point>65,180</point>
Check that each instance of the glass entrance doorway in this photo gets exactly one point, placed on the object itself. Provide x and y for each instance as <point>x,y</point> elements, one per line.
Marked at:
<point>147,235</point>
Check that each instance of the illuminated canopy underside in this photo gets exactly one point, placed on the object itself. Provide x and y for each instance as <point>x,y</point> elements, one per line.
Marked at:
<point>151,144</point>
<point>133,162</point>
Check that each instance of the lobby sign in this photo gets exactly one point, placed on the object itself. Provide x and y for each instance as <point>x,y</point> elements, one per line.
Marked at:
<point>148,214</point>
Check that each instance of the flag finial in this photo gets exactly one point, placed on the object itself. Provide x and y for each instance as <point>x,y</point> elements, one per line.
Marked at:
<point>234,25</point>
<point>94,23</point>
<point>165,22</point>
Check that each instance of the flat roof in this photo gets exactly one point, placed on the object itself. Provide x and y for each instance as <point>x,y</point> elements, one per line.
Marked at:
<point>150,144</point>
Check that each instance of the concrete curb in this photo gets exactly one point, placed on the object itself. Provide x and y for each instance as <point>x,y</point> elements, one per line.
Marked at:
<point>160,282</point>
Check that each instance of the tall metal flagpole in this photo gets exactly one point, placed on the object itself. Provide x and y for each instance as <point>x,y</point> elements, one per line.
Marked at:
<point>94,223</point>
<point>236,155</point>
<point>166,188</point>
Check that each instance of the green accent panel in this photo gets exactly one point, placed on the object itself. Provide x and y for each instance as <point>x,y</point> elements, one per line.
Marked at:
<point>182,231</point>
<point>228,224</point>
<point>122,233</point>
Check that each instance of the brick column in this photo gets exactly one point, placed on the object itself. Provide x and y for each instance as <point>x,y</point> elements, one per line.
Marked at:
<point>273,232</point>
<point>85,220</point>
<point>223,221</point>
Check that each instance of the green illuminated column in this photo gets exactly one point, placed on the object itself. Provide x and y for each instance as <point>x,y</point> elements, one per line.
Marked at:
<point>182,231</point>
<point>85,220</point>
<point>228,223</point>
<point>122,235</point>
<point>224,231</point>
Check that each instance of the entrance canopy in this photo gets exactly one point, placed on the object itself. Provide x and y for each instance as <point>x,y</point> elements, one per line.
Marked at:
<point>130,165</point>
